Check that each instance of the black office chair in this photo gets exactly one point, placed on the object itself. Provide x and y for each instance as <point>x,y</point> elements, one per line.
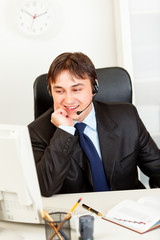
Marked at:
<point>114,86</point>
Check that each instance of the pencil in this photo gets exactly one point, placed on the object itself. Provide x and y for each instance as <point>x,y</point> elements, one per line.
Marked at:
<point>75,205</point>
<point>91,209</point>
<point>68,216</point>
<point>51,223</point>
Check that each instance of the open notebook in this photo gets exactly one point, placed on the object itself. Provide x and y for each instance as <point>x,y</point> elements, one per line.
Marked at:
<point>140,216</point>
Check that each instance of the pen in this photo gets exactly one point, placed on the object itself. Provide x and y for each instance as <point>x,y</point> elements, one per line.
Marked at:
<point>91,209</point>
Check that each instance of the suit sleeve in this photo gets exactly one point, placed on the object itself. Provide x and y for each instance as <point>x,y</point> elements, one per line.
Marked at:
<point>148,155</point>
<point>52,160</point>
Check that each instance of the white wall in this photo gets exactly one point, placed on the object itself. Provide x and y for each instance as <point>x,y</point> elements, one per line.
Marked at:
<point>85,25</point>
<point>145,37</point>
<point>137,24</point>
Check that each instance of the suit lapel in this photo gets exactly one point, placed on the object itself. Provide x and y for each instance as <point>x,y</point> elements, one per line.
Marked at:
<point>108,139</point>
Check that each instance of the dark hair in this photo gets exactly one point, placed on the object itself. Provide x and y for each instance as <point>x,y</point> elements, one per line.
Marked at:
<point>78,64</point>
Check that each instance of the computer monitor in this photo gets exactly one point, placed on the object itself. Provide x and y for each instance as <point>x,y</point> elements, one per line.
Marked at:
<point>20,198</point>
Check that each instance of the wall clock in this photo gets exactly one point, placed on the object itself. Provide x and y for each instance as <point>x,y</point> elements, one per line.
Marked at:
<point>34,17</point>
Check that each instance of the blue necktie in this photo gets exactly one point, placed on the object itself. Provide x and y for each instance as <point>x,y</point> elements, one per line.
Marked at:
<point>98,174</point>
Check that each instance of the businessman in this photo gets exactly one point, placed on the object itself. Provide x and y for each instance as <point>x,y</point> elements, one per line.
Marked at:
<point>81,145</point>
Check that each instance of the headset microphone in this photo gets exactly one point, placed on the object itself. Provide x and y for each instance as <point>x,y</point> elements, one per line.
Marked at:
<point>79,112</point>
<point>95,90</point>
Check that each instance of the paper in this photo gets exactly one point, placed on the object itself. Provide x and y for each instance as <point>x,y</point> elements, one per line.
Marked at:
<point>140,216</point>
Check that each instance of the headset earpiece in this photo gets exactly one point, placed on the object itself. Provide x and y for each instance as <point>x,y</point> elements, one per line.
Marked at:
<point>95,87</point>
<point>49,90</point>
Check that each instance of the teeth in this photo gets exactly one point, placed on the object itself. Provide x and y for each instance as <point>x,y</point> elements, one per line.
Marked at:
<point>71,107</point>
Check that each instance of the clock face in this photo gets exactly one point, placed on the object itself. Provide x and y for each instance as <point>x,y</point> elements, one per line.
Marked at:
<point>34,17</point>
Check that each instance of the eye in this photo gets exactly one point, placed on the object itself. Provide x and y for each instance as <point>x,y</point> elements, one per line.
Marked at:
<point>77,89</point>
<point>58,91</point>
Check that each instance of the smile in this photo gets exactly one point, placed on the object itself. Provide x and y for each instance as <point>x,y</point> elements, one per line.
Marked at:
<point>71,108</point>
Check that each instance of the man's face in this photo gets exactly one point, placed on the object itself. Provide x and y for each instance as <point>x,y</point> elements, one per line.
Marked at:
<point>72,94</point>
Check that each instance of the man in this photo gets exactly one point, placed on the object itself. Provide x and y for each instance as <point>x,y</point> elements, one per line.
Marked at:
<point>121,141</point>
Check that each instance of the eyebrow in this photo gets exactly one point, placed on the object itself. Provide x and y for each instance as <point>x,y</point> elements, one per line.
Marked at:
<point>75,85</point>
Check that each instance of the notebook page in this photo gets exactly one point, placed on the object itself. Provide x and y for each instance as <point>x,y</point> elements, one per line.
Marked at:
<point>134,215</point>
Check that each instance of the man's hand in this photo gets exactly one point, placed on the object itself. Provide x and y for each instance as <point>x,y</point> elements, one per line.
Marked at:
<point>59,117</point>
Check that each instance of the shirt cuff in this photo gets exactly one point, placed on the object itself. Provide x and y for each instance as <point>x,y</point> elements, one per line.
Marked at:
<point>69,129</point>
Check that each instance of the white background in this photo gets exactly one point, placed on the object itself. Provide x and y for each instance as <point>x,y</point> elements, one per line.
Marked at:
<point>121,33</point>
<point>85,25</point>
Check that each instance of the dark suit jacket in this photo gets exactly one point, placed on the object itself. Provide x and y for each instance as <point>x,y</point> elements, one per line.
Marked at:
<point>62,166</point>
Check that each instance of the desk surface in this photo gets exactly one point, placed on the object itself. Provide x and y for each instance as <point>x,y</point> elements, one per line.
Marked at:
<point>100,201</point>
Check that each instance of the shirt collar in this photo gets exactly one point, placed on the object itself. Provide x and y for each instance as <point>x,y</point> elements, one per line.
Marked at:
<point>90,120</point>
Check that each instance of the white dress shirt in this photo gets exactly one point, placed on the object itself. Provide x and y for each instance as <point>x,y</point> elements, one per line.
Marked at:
<point>90,130</point>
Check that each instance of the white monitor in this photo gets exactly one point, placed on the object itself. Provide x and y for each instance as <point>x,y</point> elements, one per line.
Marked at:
<point>20,198</point>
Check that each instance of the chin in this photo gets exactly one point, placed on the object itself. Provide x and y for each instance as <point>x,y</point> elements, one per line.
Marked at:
<point>74,116</point>
<point>80,117</point>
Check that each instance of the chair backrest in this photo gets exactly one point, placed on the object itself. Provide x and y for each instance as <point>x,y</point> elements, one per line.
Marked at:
<point>114,86</point>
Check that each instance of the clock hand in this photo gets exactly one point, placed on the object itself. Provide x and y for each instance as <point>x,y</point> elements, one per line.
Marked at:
<point>27,13</point>
<point>34,17</point>
<point>41,14</point>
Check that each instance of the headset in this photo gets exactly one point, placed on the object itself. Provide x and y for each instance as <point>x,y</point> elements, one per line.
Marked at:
<point>95,87</point>
<point>94,91</point>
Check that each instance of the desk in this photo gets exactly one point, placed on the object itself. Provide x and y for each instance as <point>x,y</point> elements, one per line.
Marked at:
<point>100,201</point>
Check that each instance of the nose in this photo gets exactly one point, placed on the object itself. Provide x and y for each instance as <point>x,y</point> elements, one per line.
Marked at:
<point>69,98</point>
